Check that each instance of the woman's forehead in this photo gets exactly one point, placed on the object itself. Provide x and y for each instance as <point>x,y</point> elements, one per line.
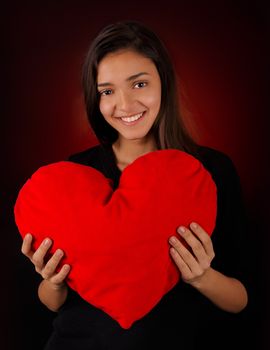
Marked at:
<point>124,64</point>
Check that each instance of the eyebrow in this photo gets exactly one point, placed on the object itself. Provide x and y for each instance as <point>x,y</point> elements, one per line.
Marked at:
<point>132,77</point>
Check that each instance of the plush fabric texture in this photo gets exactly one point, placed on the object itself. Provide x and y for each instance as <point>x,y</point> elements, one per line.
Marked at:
<point>117,241</point>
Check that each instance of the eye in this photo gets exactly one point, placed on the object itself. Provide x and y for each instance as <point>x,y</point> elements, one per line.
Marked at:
<point>105,92</point>
<point>140,84</point>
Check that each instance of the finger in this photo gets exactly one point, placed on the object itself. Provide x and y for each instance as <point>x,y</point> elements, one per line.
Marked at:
<point>180,263</point>
<point>49,269</point>
<point>26,248</point>
<point>194,243</point>
<point>61,275</point>
<point>185,254</point>
<point>38,256</point>
<point>204,238</point>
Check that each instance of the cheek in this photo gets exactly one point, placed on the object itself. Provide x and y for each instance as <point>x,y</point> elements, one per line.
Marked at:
<point>105,108</point>
<point>153,97</point>
<point>153,101</point>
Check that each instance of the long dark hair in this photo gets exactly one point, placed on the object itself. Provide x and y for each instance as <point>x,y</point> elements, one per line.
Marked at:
<point>168,129</point>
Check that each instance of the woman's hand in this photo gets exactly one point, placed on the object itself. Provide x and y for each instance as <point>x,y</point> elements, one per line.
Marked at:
<point>193,259</point>
<point>52,290</point>
<point>46,269</point>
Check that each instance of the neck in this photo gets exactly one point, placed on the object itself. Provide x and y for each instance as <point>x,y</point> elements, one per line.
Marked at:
<point>126,151</point>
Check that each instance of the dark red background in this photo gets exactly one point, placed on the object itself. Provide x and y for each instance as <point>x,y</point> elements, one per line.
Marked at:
<point>221,58</point>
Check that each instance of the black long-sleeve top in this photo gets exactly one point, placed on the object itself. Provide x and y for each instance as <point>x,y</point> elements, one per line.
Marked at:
<point>183,319</point>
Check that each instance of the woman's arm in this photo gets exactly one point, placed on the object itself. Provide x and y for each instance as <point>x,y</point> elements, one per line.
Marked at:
<point>225,292</point>
<point>52,290</point>
<point>194,264</point>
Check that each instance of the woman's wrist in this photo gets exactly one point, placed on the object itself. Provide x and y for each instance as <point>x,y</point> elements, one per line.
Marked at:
<point>201,281</point>
<point>52,295</point>
<point>54,286</point>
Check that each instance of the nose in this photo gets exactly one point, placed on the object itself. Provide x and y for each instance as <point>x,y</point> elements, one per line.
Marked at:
<point>124,101</point>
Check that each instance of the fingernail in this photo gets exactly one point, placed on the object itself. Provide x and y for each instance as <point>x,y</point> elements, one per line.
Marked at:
<point>47,241</point>
<point>194,225</point>
<point>181,230</point>
<point>173,240</point>
<point>59,252</point>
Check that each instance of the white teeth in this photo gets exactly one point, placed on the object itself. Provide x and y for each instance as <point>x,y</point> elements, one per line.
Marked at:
<point>133,118</point>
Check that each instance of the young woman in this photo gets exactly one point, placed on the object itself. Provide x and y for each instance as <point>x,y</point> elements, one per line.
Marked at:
<point>132,105</point>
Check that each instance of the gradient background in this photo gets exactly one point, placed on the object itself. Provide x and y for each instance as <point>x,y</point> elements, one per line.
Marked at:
<point>220,51</point>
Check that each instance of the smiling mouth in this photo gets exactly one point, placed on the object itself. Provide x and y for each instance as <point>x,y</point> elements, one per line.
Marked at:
<point>133,119</point>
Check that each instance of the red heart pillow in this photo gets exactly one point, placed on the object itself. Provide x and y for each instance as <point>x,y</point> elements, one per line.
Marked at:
<point>117,241</point>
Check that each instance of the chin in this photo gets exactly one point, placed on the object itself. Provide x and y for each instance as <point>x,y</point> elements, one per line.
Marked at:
<point>133,137</point>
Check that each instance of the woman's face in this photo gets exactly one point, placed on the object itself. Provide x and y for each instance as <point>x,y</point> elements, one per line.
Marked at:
<point>130,93</point>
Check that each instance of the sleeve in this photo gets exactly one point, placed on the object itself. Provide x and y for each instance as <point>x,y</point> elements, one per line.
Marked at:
<point>231,237</point>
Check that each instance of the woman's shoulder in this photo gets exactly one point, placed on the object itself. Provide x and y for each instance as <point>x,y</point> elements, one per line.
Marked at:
<point>211,156</point>
<point>218,163</point>
<point>223,171</point>
<point>99,157</point>
<point>88,156</point>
